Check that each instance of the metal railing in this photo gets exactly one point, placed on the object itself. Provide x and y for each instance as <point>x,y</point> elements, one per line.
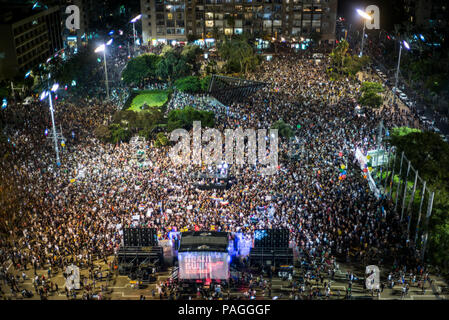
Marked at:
<point>399,181</point>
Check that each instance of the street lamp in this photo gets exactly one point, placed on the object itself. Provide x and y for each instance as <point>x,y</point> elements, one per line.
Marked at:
<point>407,46</point>
<point>365,16</point>
<point>133,21</point>
<point>55,137</point>
<point>102,48</point>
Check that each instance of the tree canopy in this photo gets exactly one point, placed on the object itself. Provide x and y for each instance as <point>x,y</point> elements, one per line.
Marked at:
<point>140,67</point>
<point>239,55</point>
<point>80,67</point>
<point>173,66</point>
<point>370,94</point>
<point>190,84</point>
<point>429,154</point>
<point>284,129</point>
<point>183,118</point>
<point>343,64</point>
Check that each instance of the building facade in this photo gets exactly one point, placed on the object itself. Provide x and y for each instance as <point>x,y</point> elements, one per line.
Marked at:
<point>28,38</point>
<point>427,13</point>
<point>75,38</point>
<point>183,19</point>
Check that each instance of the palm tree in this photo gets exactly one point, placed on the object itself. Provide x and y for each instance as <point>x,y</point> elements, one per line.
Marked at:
<point>231,23</point>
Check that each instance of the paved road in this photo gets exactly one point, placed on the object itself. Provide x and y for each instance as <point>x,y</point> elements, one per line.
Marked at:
<point>120,287</point>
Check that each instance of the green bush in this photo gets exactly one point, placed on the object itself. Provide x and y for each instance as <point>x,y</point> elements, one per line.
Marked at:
<point>119,134</point>
<point>429,154</point>
<point>141,67</point>
<point>189,84</point>
<point>183,118</point>
<point>370,96</point>
<point>239,55</point>
<point>284,129</point>
<point>205,82</point>
<point>103,133</point>
<point>343,64</point>
<point>402,131</point>
<point>173,66</point>
<point>161,140</point>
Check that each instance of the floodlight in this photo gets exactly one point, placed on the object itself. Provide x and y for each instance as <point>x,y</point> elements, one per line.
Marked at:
<point>100,48</point>
<point>364,15</point>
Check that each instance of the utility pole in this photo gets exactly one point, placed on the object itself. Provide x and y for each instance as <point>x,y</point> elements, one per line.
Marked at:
<point>106,73</point>
<point>55,137</point>
<point>397,75</point>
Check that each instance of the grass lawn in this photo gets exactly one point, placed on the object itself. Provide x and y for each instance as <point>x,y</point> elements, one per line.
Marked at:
<point>153,98</point>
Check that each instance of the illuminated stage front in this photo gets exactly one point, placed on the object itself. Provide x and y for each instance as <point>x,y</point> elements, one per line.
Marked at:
<point>204,256</point>
<point>203,265</point>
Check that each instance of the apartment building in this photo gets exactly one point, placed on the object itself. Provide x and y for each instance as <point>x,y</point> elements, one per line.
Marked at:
<point>76,38</point>
<point>29,37</point>
<point>165,20</point>
<point>427,13</point>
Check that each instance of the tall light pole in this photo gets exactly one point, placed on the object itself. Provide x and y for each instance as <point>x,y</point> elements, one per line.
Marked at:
<point>102,48</point>
<point>365,16</point>
<point>55,137</point>
<point>133,21</point>
<point>406,45</point>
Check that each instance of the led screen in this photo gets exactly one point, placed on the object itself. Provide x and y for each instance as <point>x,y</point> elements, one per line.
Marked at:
<point>203,265</point>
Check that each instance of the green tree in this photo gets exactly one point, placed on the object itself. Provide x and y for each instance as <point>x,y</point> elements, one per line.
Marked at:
<point>205,82</point>
<point>190,54</point>
<point>370,94</point>
<point>190,84</point>
<point>181,69</point>
<point>183,118</point>
<point>103,133</point>
<point>4,92</point>
<point>80,67</point>
<point>167,49</point>
<point>173,66</point>
<point>402,131</point>
<point>211,67</point>
<point>161,140</point>
<point>342,64</point>
<point>119,134</point>
<point>429,154</point>
<point>371,86</point>
<point>315,37</point>
<point>284,129</point>
<point>239,55</point>
<point>139,68</point>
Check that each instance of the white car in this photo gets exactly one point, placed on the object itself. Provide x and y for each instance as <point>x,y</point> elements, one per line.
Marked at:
<point>396,90</point>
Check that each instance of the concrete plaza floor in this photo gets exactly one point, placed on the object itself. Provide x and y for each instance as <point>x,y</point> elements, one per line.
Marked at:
<point>120,287</point>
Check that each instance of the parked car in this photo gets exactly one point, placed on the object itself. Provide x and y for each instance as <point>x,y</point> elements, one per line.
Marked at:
<point>410,103</point>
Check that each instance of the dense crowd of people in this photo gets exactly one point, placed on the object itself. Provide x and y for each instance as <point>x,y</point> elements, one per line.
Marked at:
<point>75,213</point>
